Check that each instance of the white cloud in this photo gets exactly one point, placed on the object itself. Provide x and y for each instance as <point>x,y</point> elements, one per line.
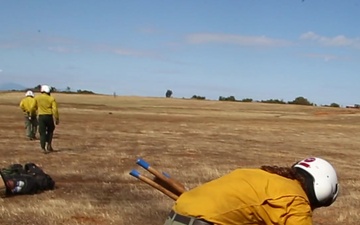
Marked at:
<point>1,70</point>
<point>337,41</point>
<point>204,38</point>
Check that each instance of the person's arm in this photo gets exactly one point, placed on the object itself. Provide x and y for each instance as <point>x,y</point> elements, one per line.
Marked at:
<point>55,112</point>
<point>33,107</point>
<point>299,220</point>
<point>289,210</point>
<point>299,212</point>
<point>22,106</point>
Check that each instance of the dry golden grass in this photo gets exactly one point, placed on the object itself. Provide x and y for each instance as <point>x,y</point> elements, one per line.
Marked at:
<point>100,137</point>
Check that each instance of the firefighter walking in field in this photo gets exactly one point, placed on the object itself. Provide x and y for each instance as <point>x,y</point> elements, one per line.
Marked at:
<point>47,111</point>
<point>27,106</point>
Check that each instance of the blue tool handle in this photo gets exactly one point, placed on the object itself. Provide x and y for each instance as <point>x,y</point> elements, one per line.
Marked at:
<point>135,173</point>
<point>143,163</point>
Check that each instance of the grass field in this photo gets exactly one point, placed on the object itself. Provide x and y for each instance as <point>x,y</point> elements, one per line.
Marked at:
<point>100,137</point>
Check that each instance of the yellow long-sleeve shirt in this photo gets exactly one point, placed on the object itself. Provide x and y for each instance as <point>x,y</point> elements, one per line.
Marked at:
<point>248,196</point>
<point>46,105</point>
<point>27,105</point>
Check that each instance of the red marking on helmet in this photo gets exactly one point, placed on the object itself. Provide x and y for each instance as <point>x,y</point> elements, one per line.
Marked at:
<point>309,160</point>
<point>304,164</point>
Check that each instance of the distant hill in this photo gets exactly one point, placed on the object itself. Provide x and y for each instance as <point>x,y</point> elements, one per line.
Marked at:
<point>11,86</point>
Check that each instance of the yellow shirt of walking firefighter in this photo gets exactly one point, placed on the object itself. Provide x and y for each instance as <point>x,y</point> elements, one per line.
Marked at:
<point>27,104</point>
<point>46,105</point>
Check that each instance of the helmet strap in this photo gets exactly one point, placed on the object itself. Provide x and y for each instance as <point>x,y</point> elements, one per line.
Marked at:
<point>308,185</point>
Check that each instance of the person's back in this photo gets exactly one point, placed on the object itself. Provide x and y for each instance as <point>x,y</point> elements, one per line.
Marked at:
<point>46,105</point>
<point>27,106</point>
<point>270,195</point>
<point>247,196</point>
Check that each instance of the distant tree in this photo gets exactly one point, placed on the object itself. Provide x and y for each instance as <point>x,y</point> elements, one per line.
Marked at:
<point>68,89</point>
<point>230,98</point>
<point>198,97</point>
<point>300,101</point>
<point>53,89</point>
<point>334,105</point>
<point>37,88</point>
<point>246,100</point>
<point>84,92</point>
<point>274,101</point>
<point>168,93</point>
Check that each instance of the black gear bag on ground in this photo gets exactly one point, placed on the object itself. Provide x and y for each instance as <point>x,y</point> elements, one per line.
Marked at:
<point>27,179</point>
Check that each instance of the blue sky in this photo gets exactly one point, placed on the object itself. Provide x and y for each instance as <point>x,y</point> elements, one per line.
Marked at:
<point>273,49</point>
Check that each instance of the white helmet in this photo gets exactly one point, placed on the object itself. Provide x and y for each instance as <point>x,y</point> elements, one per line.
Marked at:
<point>29,93</point>
<point>45,88</point>
<point>325,183</point>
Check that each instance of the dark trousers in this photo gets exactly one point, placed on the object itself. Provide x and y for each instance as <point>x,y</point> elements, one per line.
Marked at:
<point>46,129</point>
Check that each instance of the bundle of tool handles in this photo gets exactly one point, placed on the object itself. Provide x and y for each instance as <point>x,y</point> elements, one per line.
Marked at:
<point>161,181</point>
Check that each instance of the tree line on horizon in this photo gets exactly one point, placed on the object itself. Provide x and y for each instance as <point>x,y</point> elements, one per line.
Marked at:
<point>297,101</point>
<point>53,89</point>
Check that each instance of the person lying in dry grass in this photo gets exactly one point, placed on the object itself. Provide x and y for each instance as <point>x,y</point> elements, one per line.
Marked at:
<point>266,196</point>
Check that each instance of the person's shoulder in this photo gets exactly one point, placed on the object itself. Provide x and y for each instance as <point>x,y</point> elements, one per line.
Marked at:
<point>52,97</point>
<point>248,169</point>
<point>24,99</point>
